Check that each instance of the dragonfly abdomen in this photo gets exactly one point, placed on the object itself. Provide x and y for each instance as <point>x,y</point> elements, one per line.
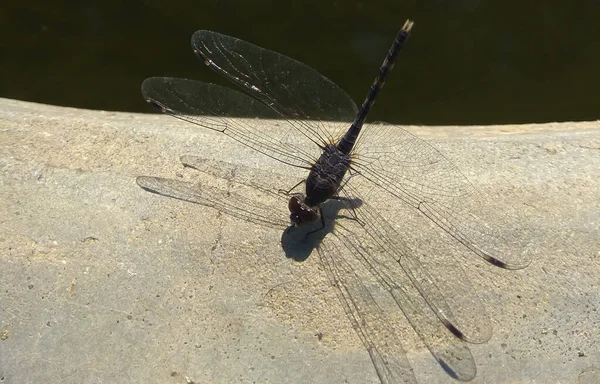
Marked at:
<point>347,142</point>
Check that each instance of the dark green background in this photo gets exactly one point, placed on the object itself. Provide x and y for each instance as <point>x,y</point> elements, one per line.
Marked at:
<point>467,62</point>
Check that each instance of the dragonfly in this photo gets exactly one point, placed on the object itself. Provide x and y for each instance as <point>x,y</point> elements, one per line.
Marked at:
<point>364,169</point>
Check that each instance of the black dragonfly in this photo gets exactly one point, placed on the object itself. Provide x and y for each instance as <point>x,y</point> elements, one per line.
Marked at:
<point>365,168</point>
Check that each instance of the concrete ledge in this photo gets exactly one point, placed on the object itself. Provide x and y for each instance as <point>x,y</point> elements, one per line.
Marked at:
<point>103,282</point>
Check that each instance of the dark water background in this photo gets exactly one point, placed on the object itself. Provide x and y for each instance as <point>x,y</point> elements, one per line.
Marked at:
<point>466,62</point>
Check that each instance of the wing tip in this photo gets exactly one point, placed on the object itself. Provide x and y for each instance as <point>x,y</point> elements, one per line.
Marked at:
<point>511,266</point>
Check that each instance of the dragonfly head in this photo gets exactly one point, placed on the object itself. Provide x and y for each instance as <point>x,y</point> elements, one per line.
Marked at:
<point>300,213</point>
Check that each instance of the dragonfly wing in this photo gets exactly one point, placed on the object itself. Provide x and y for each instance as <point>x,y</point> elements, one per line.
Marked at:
<point>415,172</point>
<point>384,338</point>
<point>441,284</point>
<point>368,320</point>
<point>307,101</point>
<point>227,202</point>
<point>290,87</point>
<point>230,112</point>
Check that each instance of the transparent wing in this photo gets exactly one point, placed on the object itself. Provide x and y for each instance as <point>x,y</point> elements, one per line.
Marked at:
<point>384,341</point>
<point>373,327</point>
<point>447,292</point>
<point>226,202</point>
<point>214,107</point>
<point>415,172</point>
<point>290,87</point>
<point>275,86</point>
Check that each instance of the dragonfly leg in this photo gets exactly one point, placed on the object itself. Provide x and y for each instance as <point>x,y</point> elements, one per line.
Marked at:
<point>320,228</point>
<point>288,192</point>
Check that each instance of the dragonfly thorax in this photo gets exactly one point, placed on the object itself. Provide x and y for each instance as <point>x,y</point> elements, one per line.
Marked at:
<point>326,175</point>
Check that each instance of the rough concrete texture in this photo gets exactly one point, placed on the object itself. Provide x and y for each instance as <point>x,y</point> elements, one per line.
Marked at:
<point>103,282</point>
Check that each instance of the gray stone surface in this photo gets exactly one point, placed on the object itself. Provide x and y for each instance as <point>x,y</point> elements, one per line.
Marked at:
<point>102,282</point>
